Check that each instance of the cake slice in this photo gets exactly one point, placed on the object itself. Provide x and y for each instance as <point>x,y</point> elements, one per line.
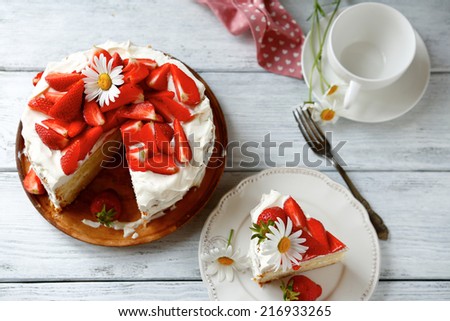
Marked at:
<point>286,242</point>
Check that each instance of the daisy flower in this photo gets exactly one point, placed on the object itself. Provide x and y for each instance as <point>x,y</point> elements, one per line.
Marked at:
<point>101,80</point>
<point>283,248</point>
<point>223,261</point>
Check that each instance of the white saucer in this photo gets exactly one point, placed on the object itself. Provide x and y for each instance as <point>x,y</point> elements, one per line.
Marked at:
<point>355,278</point>
<point>376,105</point>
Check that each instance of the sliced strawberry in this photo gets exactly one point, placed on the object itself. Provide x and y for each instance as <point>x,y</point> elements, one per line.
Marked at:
<point>162,164</point>
<point>318,232</point>
<point>69,160</point>
<point>295,213</point>
<point>98,51</point>
<point>40,104</point>
<point>159,94</point>
<point>183,152</point>
<point>117,60</point>
<point>149,63</point>
<point>62,81</point>
<point>137,156</point>
<point>59,126</point>
<point>141,111</point>
<point>158,78</point>
<point>88,140</point>
<point>76,127</point>
<point>68,107</point>
<point>315,248</point>
<point>112,120</point>
<point>129,93</point>
<point>37,78</point>
<point>147,136</point>
<point>272,214</point>
<point>134,72</point>
<point>33,184</point>
<point>301,288</point>
<point>334,244</point>
<point>50,138</point>
<point>130,132</point>
<point>92,114</point>
<point>161,109</point>
<point>163,137</point>
<point>185,87</point>
<point>54,96</point>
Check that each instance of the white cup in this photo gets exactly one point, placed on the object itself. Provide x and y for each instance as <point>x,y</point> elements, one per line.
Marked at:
<point>370,45</point>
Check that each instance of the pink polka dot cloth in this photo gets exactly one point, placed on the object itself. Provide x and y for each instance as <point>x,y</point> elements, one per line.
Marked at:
<point>277,35</point>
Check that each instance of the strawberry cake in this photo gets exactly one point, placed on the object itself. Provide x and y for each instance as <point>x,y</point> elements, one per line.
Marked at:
<point>84,107</point>
<point>285,241</point>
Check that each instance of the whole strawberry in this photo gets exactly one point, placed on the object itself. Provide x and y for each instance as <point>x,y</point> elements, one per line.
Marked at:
<point>106,207</point>
<point>267,218</point>
<point>300,288</point>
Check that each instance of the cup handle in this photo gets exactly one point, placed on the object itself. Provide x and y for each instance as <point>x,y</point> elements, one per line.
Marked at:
<point>351,93</point>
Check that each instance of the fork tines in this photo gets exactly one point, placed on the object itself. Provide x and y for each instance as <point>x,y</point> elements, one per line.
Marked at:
<point>310,130</point>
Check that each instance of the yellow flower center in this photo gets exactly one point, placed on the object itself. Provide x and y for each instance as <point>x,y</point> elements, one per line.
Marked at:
<point>104,81</point>
<point>327,114</point>
<point>225,260</point>
<point>284,245</point>
<point>332,90</point>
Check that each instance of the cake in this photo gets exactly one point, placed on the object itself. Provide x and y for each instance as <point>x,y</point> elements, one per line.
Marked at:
<point>83,107</point>
<point>286,242</point>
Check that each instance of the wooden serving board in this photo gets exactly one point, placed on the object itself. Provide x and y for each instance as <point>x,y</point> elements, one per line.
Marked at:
<point>69,220</point>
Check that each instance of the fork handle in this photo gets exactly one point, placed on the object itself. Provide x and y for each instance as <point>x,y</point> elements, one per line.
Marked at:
<point>377,221</point>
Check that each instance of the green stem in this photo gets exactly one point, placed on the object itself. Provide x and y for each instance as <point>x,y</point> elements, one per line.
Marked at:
<point>230,237</point>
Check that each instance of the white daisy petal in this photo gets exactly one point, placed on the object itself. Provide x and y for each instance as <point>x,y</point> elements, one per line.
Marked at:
<point>229,273</point>
<point>212,269</point>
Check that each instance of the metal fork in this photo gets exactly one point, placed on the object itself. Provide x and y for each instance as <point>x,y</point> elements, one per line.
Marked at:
<point>320,145</point>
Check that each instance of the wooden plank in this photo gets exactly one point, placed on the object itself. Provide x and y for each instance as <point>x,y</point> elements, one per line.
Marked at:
<point>256,105</point>
<point>190,291</point>
<point>50,30</point>
<point>413,205</point>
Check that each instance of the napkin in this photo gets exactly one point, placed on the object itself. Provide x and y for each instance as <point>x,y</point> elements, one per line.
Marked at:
<point>277,35</point>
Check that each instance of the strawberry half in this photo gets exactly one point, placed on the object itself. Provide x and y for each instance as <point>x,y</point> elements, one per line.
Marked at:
<point>130,132</point>
<point>69,160</point>
<point>163,137</point>
<point>141,111</point>
<point>88,139</point>
<point>301,288</point>
<point>50,138</point>
<point>54,96</point>
<point>147,136</point>
<point>112,120</point>
<point>68,107</point>
<point>334,243</point>
<point>76,127</point>
<point>92,114</point>
<point>158,78</point>
<point>59,126</point>
<point>137,156</point>
<point>37,78</point>
<point>129,93</point>
<point>295,213</point>
<point>183,152</point>
<point>149,63</point>
<point>40,104</point>
<point>318,232</point>
<point>98,51</point>
<point>160,94</point>
<point>161,108</point>
<point>134,72</point>
<point>117,60</point>
<point>33,184</point>
<point>162,164</point>
<point>62,81</point>
<point>176,109</point>
<point>185,87</point>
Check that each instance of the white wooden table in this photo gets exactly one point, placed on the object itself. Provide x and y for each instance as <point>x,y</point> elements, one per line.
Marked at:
<point>401,166</point>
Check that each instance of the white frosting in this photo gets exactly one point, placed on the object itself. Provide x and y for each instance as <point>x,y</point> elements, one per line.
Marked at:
<point>260,263</point>
<point>154,192</point>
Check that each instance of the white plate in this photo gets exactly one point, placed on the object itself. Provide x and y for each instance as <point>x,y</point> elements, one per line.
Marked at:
<point>376,105</point>
<point>354,278</point>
